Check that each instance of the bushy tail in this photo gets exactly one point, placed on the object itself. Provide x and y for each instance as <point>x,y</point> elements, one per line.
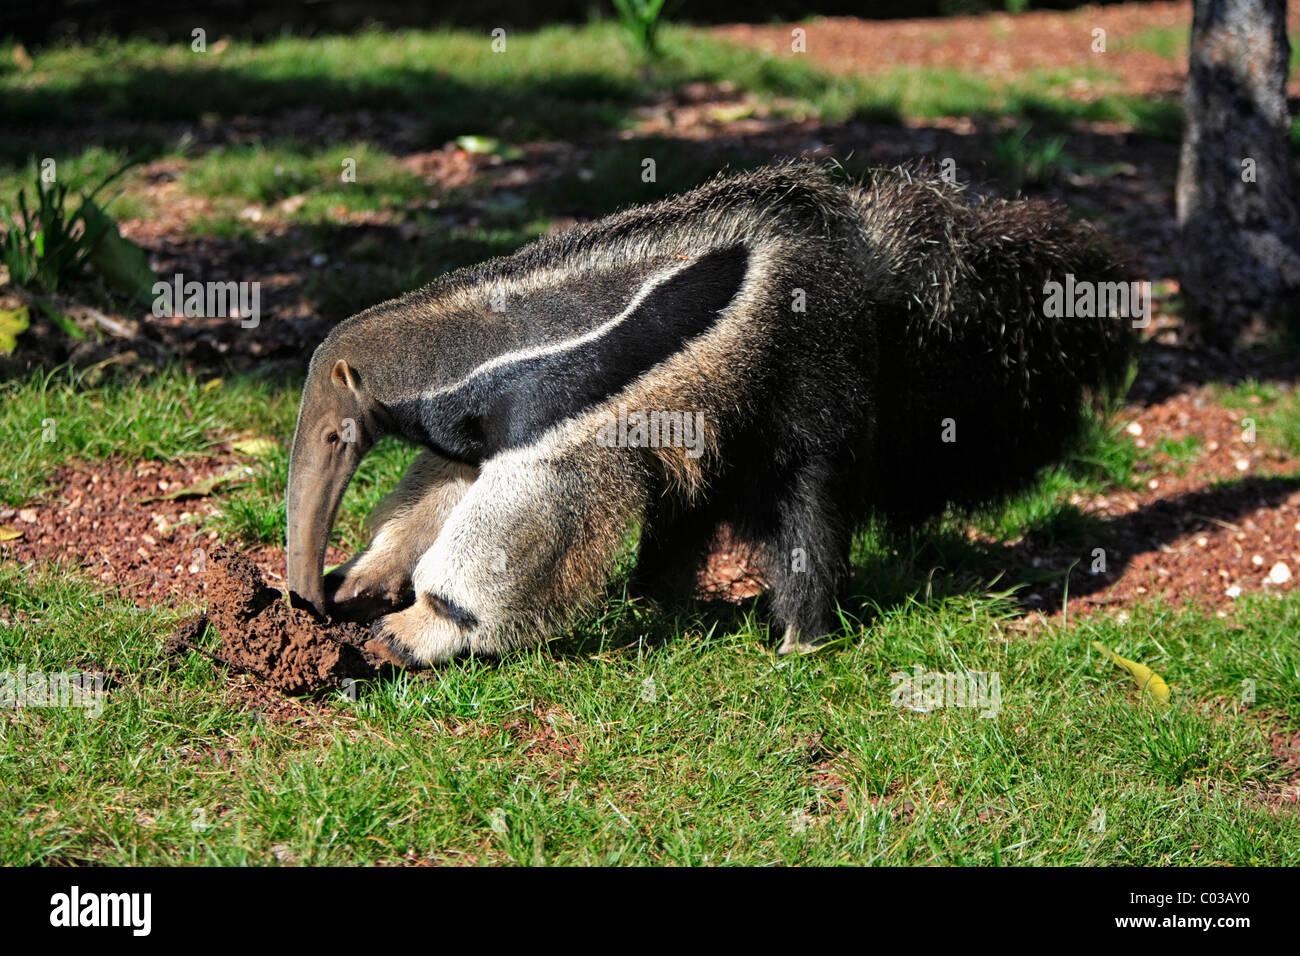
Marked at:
<point>978,388</point>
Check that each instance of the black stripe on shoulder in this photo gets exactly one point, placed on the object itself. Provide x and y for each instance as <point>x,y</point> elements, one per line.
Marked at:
<point>510,406</point>
<point>450,609</point>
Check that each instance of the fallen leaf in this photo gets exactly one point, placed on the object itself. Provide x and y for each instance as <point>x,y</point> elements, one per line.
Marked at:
<point>9,533</point>
<point>478,144</point>
<point>204,487</point>
<point>490,146</point>
<point>256,447</point>
<point>1146,679</point>
<point>13,323</point>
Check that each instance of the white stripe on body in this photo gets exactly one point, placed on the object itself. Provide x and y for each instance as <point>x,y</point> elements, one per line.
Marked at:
<point>555,348</point>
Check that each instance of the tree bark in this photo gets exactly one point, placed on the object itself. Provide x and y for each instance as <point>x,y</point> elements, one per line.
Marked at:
<point>1239,249</point>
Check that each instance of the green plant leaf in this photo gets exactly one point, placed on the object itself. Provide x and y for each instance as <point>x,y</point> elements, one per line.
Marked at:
<point>65,324</point>
<point>120,261</point>
<point>13,322</point>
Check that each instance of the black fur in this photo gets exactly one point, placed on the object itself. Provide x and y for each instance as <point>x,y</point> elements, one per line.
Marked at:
<point>511,405</point>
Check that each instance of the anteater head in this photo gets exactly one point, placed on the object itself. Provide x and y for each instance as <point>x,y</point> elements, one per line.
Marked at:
<point>339,420</point>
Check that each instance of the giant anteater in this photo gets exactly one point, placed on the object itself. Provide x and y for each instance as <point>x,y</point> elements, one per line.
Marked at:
<point>776,351</point>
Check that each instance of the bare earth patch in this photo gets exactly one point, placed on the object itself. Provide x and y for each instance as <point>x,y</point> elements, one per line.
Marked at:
<point>1207,530</point>
<point>995,45</point>
<point>101,520</point>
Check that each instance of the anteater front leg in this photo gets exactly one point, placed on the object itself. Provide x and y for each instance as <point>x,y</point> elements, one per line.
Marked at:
<point>533,540</point>
<point>403,527</point>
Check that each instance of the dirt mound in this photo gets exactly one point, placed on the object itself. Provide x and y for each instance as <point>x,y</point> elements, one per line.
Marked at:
<point>287,647</point>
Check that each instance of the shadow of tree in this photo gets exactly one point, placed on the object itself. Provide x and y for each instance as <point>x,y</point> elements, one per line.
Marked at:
<point>584,178</point>
<point>944,564</point>
<point>147,109</point>
<point>930,566</point>
<point>593,169</point>
<point>1166,370</point>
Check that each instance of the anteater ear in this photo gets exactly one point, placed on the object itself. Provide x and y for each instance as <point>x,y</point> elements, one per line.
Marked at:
<point>344,376</point>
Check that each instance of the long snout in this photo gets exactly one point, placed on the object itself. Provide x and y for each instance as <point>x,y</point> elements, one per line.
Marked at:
<point>316,486</point>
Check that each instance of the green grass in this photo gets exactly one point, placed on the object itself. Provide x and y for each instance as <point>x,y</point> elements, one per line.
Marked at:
<point>1282,426</point>
<point>257,174</point>
<point>255,513</point>
<point>638,736</point>
<point>90,106</point>
<point>642,737</point>
<point>1180,450</point>
<point>640,740</point>
<point>1171,43</point>
<point>1275,410</point>
<point>1248,394</point>
<point>54,417</point>
<point>81,173</point>
<point>1168,42</point>
<point>171,416</point>
<point>559,82</point>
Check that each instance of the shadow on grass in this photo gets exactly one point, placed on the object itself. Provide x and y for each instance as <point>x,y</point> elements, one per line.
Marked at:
<point>567,87</point>
<point>146,109</point>
<point>315,273</point>
<point>1168,370</point>
<point>929,565</point>
<point>945,563</point>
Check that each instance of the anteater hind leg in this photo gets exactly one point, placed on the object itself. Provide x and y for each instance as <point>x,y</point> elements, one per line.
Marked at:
<point>403,527</point>
<point>806,553</point>
<point>675,542</point>
<point>533,540</point>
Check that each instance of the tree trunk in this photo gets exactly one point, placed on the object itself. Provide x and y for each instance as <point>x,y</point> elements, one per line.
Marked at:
<point>1239,254</point>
